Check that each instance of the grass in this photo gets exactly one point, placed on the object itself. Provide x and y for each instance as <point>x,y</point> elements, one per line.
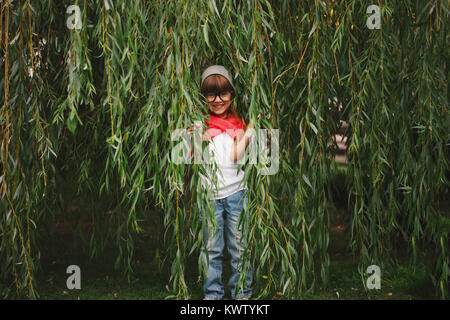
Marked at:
<point>100,282</point>
<point>397,283</point>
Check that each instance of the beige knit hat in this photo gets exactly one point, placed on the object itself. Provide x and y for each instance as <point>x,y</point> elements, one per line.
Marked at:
<point>217,69</point>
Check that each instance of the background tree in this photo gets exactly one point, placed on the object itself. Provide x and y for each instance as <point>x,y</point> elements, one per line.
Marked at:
<point>94,107</point>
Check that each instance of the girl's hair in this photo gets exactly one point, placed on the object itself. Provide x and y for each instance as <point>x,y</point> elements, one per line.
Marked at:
<point>218,83</point>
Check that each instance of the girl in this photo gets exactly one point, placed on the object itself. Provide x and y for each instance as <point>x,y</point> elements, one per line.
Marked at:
<point>227,144</point>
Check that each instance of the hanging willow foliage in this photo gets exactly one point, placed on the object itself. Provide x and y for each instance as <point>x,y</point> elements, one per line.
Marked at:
<point>92,102</point>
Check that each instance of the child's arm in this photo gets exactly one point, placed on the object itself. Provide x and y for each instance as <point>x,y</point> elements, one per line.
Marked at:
<point>239,147</point>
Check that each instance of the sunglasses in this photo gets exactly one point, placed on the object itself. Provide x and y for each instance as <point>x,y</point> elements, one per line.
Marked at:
<point>224,96</point>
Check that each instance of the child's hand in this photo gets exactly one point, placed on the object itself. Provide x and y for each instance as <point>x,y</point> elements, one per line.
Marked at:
<point>198,127</point>
<point>195,127</point>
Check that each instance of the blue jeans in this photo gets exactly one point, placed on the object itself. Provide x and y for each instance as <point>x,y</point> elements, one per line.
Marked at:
<point>227,212</point>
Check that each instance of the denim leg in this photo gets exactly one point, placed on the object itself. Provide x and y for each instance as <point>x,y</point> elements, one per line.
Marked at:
<point>234,206</point>
<point>212,254</point>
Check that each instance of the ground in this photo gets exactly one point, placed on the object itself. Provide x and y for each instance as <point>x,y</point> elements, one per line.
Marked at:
<point>99,280</point>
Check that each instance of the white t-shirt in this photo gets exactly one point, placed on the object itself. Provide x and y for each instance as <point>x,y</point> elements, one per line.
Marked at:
<point>229,180</point>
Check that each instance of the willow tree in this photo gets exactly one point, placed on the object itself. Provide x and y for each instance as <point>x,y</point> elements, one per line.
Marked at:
<point>92,92</point>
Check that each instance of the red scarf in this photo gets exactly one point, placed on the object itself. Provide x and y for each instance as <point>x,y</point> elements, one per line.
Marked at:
<point>232,125</point>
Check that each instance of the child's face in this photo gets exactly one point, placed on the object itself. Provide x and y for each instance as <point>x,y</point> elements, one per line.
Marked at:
<point>219,103</point>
